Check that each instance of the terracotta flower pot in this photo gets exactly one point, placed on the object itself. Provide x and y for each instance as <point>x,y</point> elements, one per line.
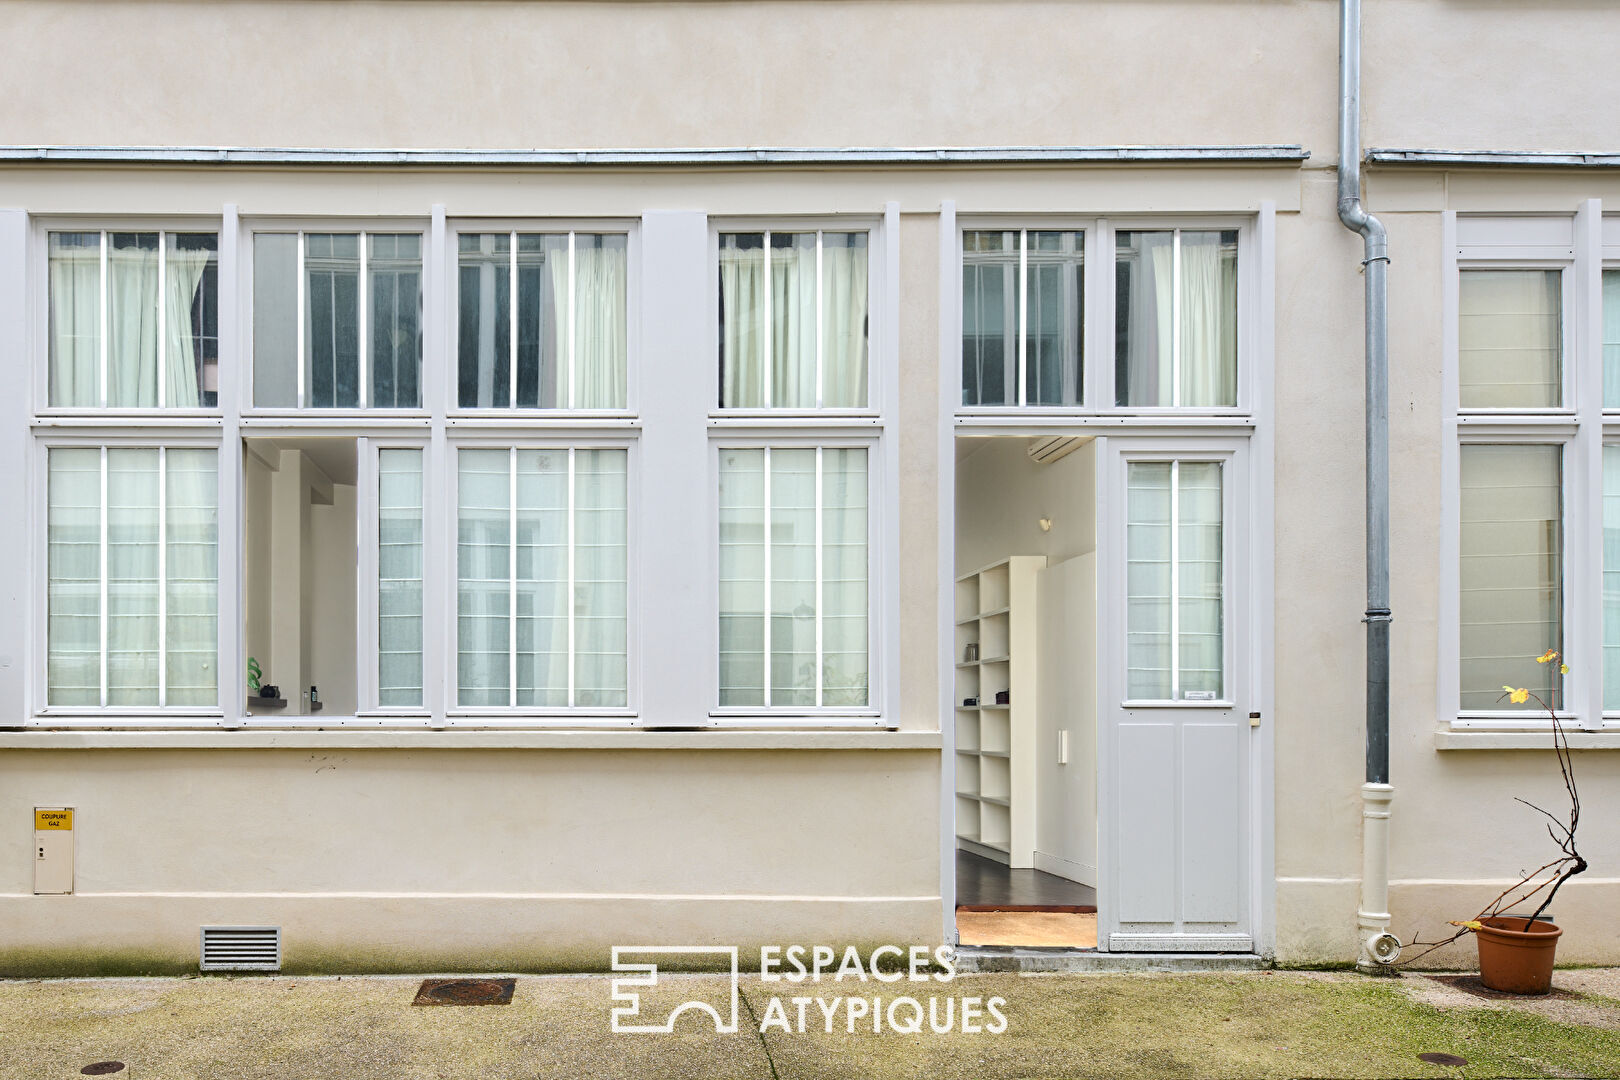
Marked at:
<point>1513,960</point>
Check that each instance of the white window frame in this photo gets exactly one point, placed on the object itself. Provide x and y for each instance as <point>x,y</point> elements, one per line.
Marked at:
<point>1573,245</point>
<point>37,512</point>
<point>363,227</point>
<point>486,716</point>
<point>1097,374</point>
<point>876,386</point>
<point>1234,556</point>
<point>629,228</point>
<point>867,715</point>
<point>41,228</point>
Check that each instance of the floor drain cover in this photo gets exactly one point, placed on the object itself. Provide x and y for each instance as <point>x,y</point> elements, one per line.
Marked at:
<point>1451,1061</point>
<point>465,992</point>
<point>102,1068</point>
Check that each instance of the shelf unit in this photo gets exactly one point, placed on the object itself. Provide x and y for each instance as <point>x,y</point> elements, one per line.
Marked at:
<point>995,744</point>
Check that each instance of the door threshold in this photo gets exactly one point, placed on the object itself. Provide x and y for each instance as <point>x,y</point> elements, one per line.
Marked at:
<point>981,959</point>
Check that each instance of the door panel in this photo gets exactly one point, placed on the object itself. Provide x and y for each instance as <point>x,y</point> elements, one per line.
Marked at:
<point>1147,814</point>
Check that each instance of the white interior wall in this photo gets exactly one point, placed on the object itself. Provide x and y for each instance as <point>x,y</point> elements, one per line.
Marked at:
<point>329,622</point>
<point>256,552</point>
<point>1001,497</point>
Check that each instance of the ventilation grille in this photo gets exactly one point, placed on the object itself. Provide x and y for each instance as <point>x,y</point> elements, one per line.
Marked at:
<point>241,948</point>
<point>1050,449</point>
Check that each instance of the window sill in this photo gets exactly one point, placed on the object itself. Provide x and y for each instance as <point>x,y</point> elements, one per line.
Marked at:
<point>1448,739</point>
<point>417,739</point>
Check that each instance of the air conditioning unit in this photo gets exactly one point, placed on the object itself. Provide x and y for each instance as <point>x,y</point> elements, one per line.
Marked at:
<point>1047,450</point>
<point>241,948</point>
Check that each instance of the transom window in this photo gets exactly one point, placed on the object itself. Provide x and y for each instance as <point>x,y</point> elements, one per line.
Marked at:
<point>337,320</point>
<point>1023,317</point>
<point>1176,322</point>
<point>566,344</point>
<point>134,320</point>
<point>793,320</point>
<point>1510,339</point>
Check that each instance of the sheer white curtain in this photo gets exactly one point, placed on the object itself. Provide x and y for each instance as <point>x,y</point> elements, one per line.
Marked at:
<point>742,314</point>
<point>1208,321</point>
<point>601,323</point>
<point>1511,571</point>
<point>844,272</point>
<point>132,330</point>
<point>1148,262</point>
<point>75,313</point>
<point>793,321</point>
<point>183,276</point>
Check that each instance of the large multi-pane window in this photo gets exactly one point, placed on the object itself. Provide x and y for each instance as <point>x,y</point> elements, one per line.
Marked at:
<point>132,577</point>
<point>793,320</point>
<point>564,342</point>
<point>337,320</point>
<point>1023,317</point>
<point>133,320</point>
<point>793,577</point>
<point>1176,318</point>
<point>542,578</point>
<point>1175,577</point>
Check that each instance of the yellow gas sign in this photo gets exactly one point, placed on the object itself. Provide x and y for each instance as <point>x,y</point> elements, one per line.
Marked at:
<point>53,819</point>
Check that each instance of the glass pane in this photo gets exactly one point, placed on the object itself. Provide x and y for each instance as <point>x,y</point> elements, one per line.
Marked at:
<point>742,577</point>
<point>75,317</point>
<point>332,320</point>
<point>132,577</point>
<point>844,271</point>
<point>1208,314</point>
<point>1611,339</point>
<point>1509,339</point>
<point>394,271</point>
<point>399,577</point>
<point>1144,265</point>
<point>1199,577</point>
<point>843,578</point>
<point>1511,572</point>
<point>132,332</point>
<point>191,282</point>
<point>989,318</point>
<point>793,577</point>
<point>542,344</point>
<point>275,320</point>
<point>191,570</point>
<point>793,321</point>
<point>542,578</point>
<point>1147,581</point>
<point>601,320</point>
<point>73,591</point>
<point>601,568</point>
<point>484,575</point>
<point>484,323</point>
<point>1056,318</point>
<point>742,320</point>
<point>1611,578</point>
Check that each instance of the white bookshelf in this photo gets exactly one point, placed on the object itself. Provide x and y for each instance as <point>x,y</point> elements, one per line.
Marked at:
<point>995,743</point>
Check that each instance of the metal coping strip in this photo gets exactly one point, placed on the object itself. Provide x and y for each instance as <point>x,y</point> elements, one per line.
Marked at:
<point>1535,158</point>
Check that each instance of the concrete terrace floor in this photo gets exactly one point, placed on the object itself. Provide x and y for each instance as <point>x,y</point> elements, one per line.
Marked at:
<point>1253,1024</point>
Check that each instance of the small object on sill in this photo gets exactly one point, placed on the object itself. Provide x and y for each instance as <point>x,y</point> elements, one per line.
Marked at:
<point>266,703</point>
<point>969,702</point>
<point>1003,697</point>
<point>315,706</point>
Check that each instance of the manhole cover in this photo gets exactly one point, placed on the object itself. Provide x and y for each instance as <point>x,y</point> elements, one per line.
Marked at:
<point>465,992</point>
<point>1450,1061</point>
<point>102,1068</point>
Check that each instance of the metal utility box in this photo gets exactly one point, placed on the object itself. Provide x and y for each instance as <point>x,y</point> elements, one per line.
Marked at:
<point>53,850</point>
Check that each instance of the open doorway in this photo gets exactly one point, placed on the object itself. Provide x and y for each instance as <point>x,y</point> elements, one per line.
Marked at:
<point>300,533</point>
<point>1026,700</point>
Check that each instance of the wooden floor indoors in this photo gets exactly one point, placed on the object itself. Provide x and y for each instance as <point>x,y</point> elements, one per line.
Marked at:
<point>996,905</point>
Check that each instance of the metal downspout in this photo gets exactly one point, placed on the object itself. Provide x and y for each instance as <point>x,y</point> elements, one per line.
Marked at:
<point>1378,948</point>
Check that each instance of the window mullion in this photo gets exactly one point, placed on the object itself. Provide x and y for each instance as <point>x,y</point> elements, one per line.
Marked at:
<point>363,354</point>
<point>1023,315</point>
<point>765,600</point>
<point>1175,581</point>
<point>821,391</point>
<point>163,322</point>
<point>511,321</point>
<point>102,359</point>
<point>573,364</point>
<point>302,291</point>
<point>103,627</point>
<point>767,395</point>
<point>511,575</point>
<point>820,607</point>
<point>568,595</point>
<point>1175,318</point>
<point>163,576</point>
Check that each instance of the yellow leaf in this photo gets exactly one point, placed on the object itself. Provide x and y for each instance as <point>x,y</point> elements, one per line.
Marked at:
<point>1519,696</point>
<point>1471,924</point>
<point>1547,657</point>
<point>1563,669</point>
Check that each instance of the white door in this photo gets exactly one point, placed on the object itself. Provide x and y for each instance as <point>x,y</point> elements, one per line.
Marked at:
<point>1176,749</point>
